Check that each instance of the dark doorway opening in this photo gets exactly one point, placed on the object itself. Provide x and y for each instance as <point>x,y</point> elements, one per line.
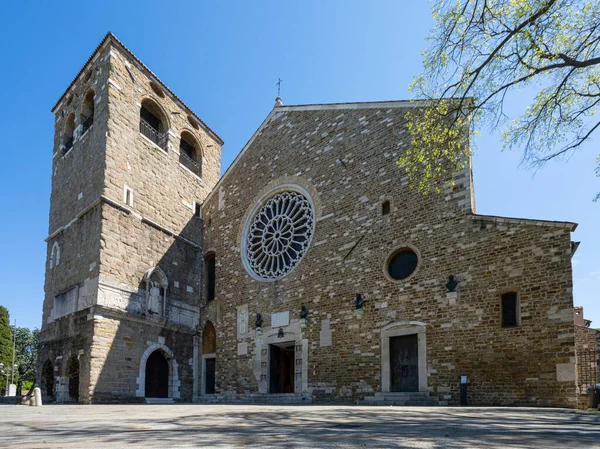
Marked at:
<point>209,385</point>
<point>157,376</point>
<point>73,375</point>
<point>281,371</point>
<point>404,363</point>
<point>48,380</point>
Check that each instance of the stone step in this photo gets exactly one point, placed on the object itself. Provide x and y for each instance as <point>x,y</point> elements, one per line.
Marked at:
<point>160,401</point>
<point>211,399</point>
<point>402,393</point>
<point>276,398</point>
<point>405,403</point>
<point>275,395</point>
<point>402,398</point>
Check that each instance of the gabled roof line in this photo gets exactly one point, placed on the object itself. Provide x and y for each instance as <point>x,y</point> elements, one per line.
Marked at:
<point>355,105</point>
<point>316,107</point>
<point>111,37</point>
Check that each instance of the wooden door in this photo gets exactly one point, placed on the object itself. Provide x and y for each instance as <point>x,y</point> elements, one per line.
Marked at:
<point>404,363</point>
<point>157,376</point>
<point>275,370</point>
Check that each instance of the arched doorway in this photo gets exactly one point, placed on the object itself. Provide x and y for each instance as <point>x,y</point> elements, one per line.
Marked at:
<point>157,376</point>
<point>48,381</point>
<point>209,366</point>
<point>73,375</point>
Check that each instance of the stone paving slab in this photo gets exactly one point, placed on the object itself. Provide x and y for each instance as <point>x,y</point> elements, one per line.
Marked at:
<point>241,426</point>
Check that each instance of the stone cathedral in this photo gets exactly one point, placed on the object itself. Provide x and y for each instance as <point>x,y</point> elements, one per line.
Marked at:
<point>309,272</point>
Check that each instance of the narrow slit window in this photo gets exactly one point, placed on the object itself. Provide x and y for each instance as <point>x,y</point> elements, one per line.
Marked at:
<point>385,207</point>
<point>510,310</point>
<point>198,210</point>
<point>210,276</point>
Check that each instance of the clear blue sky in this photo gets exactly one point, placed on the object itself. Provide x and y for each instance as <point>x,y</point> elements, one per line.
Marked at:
<point>223,59</point>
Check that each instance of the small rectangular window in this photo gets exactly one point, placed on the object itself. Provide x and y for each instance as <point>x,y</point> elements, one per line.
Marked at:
<point>198,210</point>
<point>128,196</point>
<point>385,208</point>
<point>510,310</point>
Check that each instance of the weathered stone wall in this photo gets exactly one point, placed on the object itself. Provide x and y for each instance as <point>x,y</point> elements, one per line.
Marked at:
<point>69,336</point>
<point>586,347</point>
<point>120,342</point>
<point>108,246</point>
<point>78,175</point>
<point>345,158</point>
<point>75,223</point>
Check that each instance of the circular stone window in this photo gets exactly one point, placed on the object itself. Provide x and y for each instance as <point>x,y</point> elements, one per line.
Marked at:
<point>402,264</point>
<point>278,235</point>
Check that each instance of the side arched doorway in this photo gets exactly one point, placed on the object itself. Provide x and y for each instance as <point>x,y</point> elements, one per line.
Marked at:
<point>209,366</point>
<point>157,376</point>
<point>48,381</point>
<point>73,375</point>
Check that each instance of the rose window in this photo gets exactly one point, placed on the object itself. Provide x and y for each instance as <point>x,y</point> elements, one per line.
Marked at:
<point>279,235</point>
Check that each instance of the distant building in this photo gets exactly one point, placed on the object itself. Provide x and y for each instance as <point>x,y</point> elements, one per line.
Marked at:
<point>587,343</point>
<point>310,271</point>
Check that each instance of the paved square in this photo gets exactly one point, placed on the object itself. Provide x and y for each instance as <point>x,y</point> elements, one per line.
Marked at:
<point>239,426</point>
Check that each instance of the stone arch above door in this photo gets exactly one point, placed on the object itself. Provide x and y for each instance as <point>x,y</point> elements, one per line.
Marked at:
<point>174,382</point>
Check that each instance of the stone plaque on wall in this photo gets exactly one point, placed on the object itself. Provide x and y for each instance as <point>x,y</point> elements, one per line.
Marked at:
<point>325,338</point>
<point>280,319</point>
<point>325,334</point>
<point>242,321</point>
<point>242,348</point>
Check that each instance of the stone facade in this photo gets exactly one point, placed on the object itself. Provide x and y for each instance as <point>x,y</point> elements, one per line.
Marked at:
<point>344,157</point>
<point>130,265</point>
<point>134,277</point>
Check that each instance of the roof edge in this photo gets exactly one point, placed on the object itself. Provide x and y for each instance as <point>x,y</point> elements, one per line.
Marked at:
<point>111,37</point>
<point>529,221</point>
<point>412,103</point>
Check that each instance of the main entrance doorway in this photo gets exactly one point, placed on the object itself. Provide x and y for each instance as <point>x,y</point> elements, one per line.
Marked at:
<point>404,363</point>
<point>281,367</point>
<point>157,376</point>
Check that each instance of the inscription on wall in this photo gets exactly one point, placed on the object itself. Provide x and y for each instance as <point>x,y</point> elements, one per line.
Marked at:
<point>280,319</point>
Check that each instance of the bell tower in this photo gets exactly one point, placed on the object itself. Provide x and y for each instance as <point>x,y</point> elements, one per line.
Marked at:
<point>131,167</point>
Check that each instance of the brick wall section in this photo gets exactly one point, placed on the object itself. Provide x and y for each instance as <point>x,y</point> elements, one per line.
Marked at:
<point>347,159</point>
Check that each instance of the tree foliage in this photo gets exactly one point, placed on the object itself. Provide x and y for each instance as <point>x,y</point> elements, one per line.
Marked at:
<point>6,342</point>
<point>26,352</point>
<point>483,50</point>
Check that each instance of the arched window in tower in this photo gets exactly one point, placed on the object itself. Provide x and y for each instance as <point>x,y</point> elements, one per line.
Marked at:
<point>210,268</point>
<point>189,153</point>
<point>153,123</point>
<point>68,131</point>
<point>87,111</point>
<point>54,255</point>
